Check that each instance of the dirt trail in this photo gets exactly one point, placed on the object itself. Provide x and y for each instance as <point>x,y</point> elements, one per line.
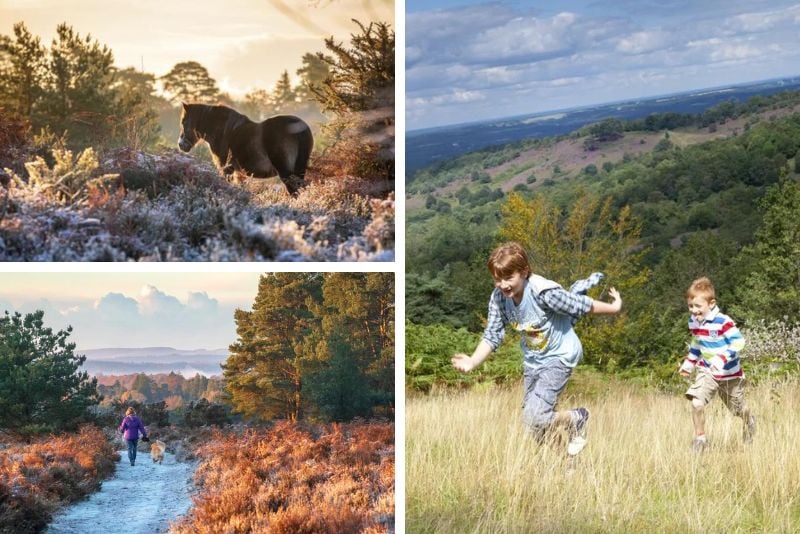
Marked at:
<point>139,499</point>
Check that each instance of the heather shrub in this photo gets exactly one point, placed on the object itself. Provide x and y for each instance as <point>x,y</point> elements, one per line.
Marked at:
<point>772,350</point>
<point>37,478</point>
<point>338,478</point>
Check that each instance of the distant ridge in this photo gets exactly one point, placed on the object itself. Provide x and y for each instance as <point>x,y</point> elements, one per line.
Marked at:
<point>427,146</point>
<point>153,360</point>
<point>135,354</point>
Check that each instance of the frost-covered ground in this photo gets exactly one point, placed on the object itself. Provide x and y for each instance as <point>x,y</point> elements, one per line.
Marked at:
<point>139,499</point>
<point>135,206</point>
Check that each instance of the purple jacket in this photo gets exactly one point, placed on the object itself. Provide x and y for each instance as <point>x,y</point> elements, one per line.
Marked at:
<point>131,426</point>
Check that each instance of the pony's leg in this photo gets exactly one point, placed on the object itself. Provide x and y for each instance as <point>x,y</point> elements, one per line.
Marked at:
<point>292,182</point>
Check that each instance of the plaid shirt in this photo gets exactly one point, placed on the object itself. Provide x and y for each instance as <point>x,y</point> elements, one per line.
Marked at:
<point>556,300</point>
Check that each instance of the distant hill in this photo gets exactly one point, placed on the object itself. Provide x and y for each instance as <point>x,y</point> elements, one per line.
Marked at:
<point>186,369</point>
<point>431,145</point>
<point>154,360</point>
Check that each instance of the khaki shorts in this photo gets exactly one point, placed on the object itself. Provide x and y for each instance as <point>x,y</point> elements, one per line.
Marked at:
<point>730,391</point>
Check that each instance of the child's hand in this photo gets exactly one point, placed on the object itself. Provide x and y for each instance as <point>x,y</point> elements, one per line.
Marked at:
<point>617,299</point>
<point>684,374</point>
<point>717,364</point>
<point>462,362</point>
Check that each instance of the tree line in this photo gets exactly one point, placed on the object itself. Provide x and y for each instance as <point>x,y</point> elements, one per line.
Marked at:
<point>71,92</point>
<point>174,389</point>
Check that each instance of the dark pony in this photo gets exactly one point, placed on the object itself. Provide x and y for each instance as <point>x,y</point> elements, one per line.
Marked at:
<point>279,145</point>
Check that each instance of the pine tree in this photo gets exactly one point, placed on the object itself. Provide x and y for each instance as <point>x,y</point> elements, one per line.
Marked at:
<point>362,304</point>
<point>190,82</point>
<point>341,389</point>
<point>360,92</point>
<point>266,365</point>
<point>22,71</point>
<point>313,73</point>
<point>283,98</point>
<point>41,388</point>
<point>79,97</point>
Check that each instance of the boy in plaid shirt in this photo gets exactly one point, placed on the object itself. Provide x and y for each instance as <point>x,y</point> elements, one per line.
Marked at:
<point>544,313</point>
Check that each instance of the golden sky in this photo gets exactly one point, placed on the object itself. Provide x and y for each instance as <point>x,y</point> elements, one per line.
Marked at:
<point>245,44</point>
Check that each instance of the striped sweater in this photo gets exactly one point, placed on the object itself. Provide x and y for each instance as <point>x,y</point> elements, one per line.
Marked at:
<point>715,346</point>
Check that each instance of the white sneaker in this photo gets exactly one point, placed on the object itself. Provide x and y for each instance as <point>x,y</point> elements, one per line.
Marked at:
<point>577,440</point>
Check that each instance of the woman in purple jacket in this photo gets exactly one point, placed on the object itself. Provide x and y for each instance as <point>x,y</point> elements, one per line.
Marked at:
<point>130,428</point>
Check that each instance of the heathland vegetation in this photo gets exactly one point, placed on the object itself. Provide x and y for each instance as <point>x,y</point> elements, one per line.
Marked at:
<point>89,169</point>
<point>307,394</point>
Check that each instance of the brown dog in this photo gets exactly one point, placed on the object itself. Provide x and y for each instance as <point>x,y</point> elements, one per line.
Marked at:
<point>157,450</point>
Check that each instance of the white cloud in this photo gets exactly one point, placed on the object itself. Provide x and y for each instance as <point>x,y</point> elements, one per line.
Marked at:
<point>455,96</point>
<point>527,37</point>
<point>199,300</point>
<point>735,52</point>
<point>762,21</point>
<point>643,41</point>
<point>152,301</point>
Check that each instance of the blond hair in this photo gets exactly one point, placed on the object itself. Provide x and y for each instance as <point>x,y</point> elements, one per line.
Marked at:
<point>130,411</point>
<point>702,287</point>
<point>507,259</point>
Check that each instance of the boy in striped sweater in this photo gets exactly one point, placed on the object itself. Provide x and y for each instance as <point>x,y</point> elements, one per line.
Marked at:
<point>714,352</point>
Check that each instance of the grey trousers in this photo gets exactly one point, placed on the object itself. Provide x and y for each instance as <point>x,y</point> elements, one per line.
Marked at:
<point>541,390</point>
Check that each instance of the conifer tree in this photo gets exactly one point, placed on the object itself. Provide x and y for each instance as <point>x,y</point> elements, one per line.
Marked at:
<point>41,387</point>
<point>79,97</point>
<point>190,82</point>
<point>22,71</point>
<point>359,91</point>
<point>266,365</point>
<point>283,97</point>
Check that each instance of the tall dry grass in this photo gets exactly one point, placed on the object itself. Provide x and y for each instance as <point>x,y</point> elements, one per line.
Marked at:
<point>470,466</point>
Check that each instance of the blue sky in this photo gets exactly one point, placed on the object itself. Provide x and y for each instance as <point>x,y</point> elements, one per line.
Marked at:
<point>470,60</point>
<point>180,310</point>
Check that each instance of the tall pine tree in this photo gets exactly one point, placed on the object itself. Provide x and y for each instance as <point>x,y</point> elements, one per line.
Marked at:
<point>265,368</point>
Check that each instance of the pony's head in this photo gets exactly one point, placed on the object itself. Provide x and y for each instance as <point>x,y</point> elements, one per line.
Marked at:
<point>189,119</point>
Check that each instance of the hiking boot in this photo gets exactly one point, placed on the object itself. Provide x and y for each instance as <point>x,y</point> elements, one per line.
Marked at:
<point>749,429</point>
<point>699,444</point>
<point>577,435</point>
